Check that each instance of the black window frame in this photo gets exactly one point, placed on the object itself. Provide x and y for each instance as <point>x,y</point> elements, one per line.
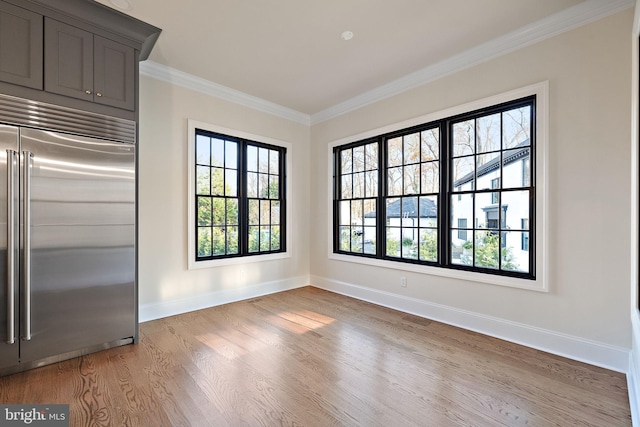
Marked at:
<point>244,198</point>
<point>446,228</point>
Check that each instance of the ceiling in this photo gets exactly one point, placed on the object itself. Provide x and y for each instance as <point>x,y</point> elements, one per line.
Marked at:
<point>290,53</point>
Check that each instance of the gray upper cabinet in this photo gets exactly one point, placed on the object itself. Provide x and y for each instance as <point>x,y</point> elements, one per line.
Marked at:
<point>20,46</point>
<point>82,65</point>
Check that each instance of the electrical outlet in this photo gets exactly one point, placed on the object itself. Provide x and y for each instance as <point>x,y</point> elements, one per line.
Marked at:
<point>403,282</point>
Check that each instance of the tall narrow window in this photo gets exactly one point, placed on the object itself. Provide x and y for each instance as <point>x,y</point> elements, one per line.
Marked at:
<point>489,149</point>
<point>239,196</point>
<point>358,190</point>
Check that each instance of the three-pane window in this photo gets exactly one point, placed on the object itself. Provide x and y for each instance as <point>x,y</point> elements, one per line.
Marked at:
<point>456,193</point>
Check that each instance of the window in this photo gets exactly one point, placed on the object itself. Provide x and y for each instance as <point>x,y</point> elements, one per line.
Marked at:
<point>453,193</point>
<point>239,196</point>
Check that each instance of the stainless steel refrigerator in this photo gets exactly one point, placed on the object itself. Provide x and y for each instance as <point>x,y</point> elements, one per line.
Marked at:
<point>67,233</point>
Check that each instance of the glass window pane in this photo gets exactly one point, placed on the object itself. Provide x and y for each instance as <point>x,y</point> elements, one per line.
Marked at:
<point>275,212</point>
<point>514,256</point>
<point>345,238</point>
<point>263,160</point>
<point>217,152</point>
<point>371,184</point>
<point>487,211</point>
<point>488,170</point>
<point>275,238</point>
<point>263,186</point>
<point>463,138</point>
<point>515,168</point>
<point>254,212</point>
<point>393,242</point>
<point>428,244</point>
<point>516,127</point>
<point>265,238</point>
<point>463,172</point>
<point>461,250</point>
<point>412,148</point>
<point>204,210</point>
<point>254,238</point>
<point>393,212</point>
<point>430,144</point>
<point>369,240</point>
<point>203,180</point>
<point>412,179</point>
<point>218,240</point>
<point>204,241</point>
<point>344,214</point>
<point>252,184</point>
<point>274,162</point>
<point>265,212</point>
<point>428,211</point>
<point>217,181</point>
<point>274,187</point>
<point>394,181</point>
<point>358,159</point>
<point>218,211</point>
<point>394,151</point>
<point>346,161</point>
<point>232,211</point>
<point>371,156</point>
<point>462,208</point>
<point>347,186</point>
<point>515,208</point>
<point>232,240</point>
<point>356,212</point>
<point>356,239</point>
<point>252,158</point>
<point>369,212</point>
<point>409,210</point>
<point>488,131</point>
<point>203,150</point>
<point>430,177</point>
<point>487,249</point>
<point>231,183</point>
<point>409,247</point>
<point>231,155</point>
<point>358,185</point>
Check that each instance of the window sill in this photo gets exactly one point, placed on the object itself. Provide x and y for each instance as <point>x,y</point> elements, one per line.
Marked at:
<point>489,279</point>
<point>222,262</point>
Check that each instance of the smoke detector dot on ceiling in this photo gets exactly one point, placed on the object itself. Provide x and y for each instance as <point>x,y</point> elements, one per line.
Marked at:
<point>121,4</point>
<point>346,35</point>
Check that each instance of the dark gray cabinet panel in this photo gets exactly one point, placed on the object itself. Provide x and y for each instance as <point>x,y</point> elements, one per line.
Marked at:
<point>20,46</point>
<point>86,66</point>
<point>68,60</point>
<point>114,73</point>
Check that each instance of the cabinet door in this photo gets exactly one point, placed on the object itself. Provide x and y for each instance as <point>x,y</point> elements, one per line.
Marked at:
<point>114,77</point>
<point>68,60</point>
<point>20,46</point>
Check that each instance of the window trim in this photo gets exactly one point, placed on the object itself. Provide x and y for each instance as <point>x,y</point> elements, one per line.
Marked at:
<point>191,184</point>
<point>541,282</point>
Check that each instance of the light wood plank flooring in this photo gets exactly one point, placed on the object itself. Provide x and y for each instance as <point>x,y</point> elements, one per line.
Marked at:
<point>308,357</point>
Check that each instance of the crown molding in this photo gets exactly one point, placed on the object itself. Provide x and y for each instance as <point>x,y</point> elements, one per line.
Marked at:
<point>198,84</point>
<point>566,20</point>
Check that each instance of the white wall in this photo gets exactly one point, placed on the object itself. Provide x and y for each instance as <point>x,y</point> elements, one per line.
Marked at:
<point>166,286</point>
<point>585,314</point>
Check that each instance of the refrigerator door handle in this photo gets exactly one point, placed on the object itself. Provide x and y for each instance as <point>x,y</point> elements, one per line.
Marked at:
<point>26,259</point>
<point>11,246</point>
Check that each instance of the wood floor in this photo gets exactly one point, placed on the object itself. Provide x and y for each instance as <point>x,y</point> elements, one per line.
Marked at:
<point>308,357</point>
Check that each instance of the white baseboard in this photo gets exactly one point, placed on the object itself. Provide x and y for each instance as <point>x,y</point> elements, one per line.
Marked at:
<point>633,376</point>
<point>572,347</point>
<point>159,310</point>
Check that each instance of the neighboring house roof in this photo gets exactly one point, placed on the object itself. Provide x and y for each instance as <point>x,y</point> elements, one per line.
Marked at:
<point>428,208</point>
<point>494,164</point>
